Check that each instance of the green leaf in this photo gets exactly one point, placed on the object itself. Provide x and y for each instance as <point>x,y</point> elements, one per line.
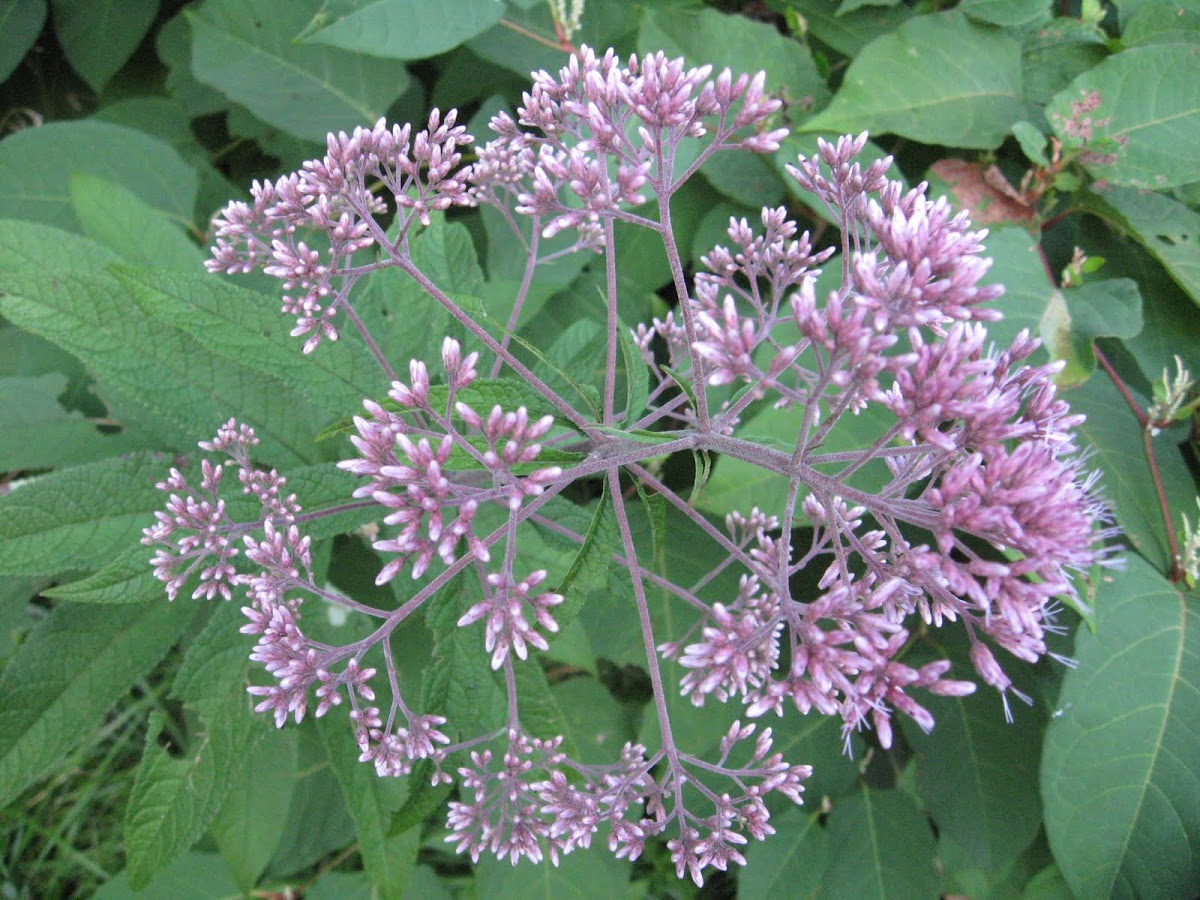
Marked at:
<point>575,364</point>
<point>388,858</point>
<point>244,326</point>
<point>1054,54</point>
<point>1132,113</point>
<point>21,22</point>
<point>583,875</point>
<point>150,372</point>
<point>1121,764</point>
<point>1169,230</point>
<point>977,775</point>
<point>37,433</point>
<point>117,218</point>
<point>245,49</point>
<point>596,724</point>
<point>709,37</point>
<point>1165,22</point>
<point>848,32</point>
<point>1017,264</point>
<point>790,862</point>
<point>36,165</point>
<point>1009,13</point>
<point>253,817</point>
<point>1113,434</point>
<point>67,674</point>
<point>590,567</point>
<point>98,36</point>
<point>79,517</point>
<point>400,29</point>
<point>195,876</point>
<point>175,798</point>
<point>1076,317</point>
<point>540,713</point>
<point>881,846</point>
<point>938,79</point>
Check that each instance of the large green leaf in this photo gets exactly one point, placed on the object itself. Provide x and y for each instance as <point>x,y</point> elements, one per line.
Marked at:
<point>1076,317</point>
<point>21,22</point>
<point>939,79</point>
<point>36,165</point>
<point>67,674</point>
<point>98,36</point>
<point>1138,108</point>
<point>37,433</point>
<point>194,876</point>
<point>151,372</point>
<point>847,32</point>
<point>77,518</point>
<point>117,218</point>
<point>709,37</point>
<point>400,29</point>
<point>175,798</point>
<point>1121,764</point>
<point>593,874</point>
<point>880,846</point>
<point>254,815</point>
<point>246,49</point>
<point>371,800</point>
<point>1168,229</point>
<point>790,862</point>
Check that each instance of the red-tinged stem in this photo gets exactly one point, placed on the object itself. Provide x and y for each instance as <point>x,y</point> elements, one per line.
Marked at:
<point>1176,573</point>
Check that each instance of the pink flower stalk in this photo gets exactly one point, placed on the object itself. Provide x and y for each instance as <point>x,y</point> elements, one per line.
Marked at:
<point>986,517</point>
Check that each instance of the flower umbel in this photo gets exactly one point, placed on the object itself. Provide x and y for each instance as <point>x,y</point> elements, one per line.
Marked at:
<point>979,510</point>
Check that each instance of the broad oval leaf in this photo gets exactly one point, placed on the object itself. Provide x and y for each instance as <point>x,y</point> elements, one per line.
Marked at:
<point>880,846</point>
<point>36,165</point>
<point>401,29</point>
<point>79,25</point>
<point>939,79</point>
<point>246,49</point>
<point>1134,112</point>
<point>1121,763</point>
<point>21,22</point>
<point>789,863</point>
<point>68,673</point>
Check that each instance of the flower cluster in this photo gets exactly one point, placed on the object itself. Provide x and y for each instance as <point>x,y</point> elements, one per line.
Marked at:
<point>980,510</point>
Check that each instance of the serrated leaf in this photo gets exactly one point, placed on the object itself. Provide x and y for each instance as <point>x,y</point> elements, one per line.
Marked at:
<point>400,29</point>
<point>123,24</point>
<point>245,49</point>
<point>790,862</point>
<point>253,817</point>
<point>1168,229</point>
<point>880,846</point>
<point>21,22</point>
<point>67,674</point>
<point>938,79</point>
<point>1121,764</point>
<point>1132,112</point>
<point>79,517</point>
<point>246,327</point>
<point>174,799</point>
<point>161,376</point>
<point>589,569</point>
<point>36,165</point>
<point>388,858</point>
<point>117,218</point>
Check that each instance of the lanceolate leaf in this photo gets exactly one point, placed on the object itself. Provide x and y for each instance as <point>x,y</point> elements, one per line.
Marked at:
<point>176,797</point>
<point>55,287</point>
<point>247,50</point>
<point>371,800</point>
<point>939,79</point>
<point>78,518</point>
<point>68,673</point>
<point>1134,112</point>
<point>1121,764</point>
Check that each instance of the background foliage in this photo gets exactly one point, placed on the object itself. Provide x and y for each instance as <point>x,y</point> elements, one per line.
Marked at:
<point>128,756</point>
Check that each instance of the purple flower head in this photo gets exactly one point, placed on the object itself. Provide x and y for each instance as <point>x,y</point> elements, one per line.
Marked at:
<point>979,513</point>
